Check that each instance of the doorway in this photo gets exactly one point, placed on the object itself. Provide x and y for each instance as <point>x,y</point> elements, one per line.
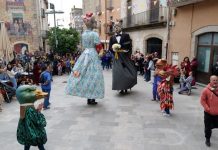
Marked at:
<point>154,45</point>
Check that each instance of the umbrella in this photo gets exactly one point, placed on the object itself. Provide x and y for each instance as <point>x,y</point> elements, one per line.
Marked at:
<point>6,50</point>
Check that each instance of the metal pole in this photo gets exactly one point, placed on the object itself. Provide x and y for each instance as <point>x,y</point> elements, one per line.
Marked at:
<point>106,24</point>
<point>56,41</point>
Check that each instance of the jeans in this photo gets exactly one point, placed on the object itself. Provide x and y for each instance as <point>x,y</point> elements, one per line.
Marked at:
<point>155,93</point>
<point>183,89</point>
<point>27,147</point>
<point>14,82</point>
<point>46,99</point>
<point>167,110</point>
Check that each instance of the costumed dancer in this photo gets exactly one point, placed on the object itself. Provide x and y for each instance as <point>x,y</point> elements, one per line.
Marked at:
<point>124,73</point>
<point>165,89</point>
<point>86,79</point>
<point>31,126</point>
<point>158,75</point>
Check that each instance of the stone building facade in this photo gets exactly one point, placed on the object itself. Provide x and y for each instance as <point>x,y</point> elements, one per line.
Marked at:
<point>106,12</point>
<point>26,23</point>
<point>146,22</point>
<point>194,33</point>
<point>76,19</point>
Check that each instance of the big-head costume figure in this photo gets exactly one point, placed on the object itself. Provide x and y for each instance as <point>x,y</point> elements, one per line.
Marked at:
<point>124,72</point>
<point>31,126</point>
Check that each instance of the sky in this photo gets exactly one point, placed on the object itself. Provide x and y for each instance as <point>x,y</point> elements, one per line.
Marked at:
<point>63,5</point>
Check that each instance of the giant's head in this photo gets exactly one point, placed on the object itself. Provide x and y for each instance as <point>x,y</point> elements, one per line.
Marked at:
<point>90,21</point>
<point>28,94</point>
<point>118,26</point>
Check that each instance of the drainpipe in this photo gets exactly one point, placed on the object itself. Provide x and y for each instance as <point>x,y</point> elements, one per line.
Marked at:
<point>106,24</point>
<point>168,30</point>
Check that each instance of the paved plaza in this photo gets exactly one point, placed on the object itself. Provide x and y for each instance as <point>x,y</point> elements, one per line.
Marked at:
<point>128,122</point>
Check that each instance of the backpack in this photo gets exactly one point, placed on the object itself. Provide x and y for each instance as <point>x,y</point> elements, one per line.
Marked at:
<point>42,78</point>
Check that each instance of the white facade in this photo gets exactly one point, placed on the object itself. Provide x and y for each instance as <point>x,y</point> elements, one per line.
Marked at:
<point>76,20</point>
<point>140,36</point>
<point>139,39</point>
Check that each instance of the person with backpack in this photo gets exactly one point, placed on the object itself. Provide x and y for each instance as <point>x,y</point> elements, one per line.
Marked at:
<point>45,80</point>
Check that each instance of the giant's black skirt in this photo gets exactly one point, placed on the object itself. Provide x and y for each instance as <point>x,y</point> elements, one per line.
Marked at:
<point>124,73</point>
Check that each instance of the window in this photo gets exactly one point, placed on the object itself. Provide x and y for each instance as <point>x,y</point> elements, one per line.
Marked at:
<point>203,58</point>
<point>215,41</point>
<point>175,58</point>
<point>205,39</point>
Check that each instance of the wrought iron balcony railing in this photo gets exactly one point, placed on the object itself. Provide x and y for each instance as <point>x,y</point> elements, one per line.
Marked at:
<point>179,3</point>
<point>148,17</point>
<point>98,9</point>
<point>110,5</point>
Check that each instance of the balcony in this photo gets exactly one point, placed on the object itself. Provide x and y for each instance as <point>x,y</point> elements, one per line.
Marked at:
<point>151,18</point>
<point>44,34</point>
<point>110,5</point>
<point>98,10</point>
<point>180,3</point>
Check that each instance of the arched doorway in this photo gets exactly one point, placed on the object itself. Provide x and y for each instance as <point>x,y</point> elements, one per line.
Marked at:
<point>207,55</point>
<point>154,45</point>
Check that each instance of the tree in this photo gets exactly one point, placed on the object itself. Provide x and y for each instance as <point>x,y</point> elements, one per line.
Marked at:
<point>68,39</point>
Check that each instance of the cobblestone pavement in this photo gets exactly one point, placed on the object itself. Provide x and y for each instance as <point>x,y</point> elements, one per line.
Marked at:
<point>129,122</point>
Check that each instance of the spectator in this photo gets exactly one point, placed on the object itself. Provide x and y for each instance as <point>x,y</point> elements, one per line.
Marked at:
<point>155,57</point>
<point>1,101</point>
<point>215,69</point>
<point>150,68</point>
<point>46,84</point>
<point>145,63</point>
<point>182,79</point>
<point>188,86</point>
<point>68,66</point>
<point>185,65</point>
<point>209,101</point>
<point>36,72</point>
<point>194,66</point>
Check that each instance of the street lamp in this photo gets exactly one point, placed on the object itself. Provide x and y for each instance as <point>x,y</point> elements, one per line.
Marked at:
<point>52,6</point>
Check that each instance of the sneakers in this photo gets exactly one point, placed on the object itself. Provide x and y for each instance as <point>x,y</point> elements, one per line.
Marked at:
<point>165,114</point>
<point>207,142</point>
<point>91,102</point>
<point>45,108</point>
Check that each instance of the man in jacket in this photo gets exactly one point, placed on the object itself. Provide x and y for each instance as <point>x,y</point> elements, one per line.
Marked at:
<point>209,100</point>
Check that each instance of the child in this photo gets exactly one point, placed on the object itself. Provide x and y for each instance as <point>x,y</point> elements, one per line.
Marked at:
<point>46,84</point>
<point>165,89</point>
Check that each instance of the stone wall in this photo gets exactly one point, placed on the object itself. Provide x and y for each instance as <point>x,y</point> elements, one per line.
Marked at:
<point>22,22</point>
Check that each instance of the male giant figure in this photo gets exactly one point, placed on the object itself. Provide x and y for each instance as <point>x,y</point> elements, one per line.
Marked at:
<point>124,72</point>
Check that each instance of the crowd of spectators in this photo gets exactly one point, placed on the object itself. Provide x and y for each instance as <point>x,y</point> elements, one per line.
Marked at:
<point>26,69</point>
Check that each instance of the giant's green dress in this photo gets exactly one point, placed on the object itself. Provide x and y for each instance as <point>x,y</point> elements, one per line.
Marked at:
<point>31,129</point>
